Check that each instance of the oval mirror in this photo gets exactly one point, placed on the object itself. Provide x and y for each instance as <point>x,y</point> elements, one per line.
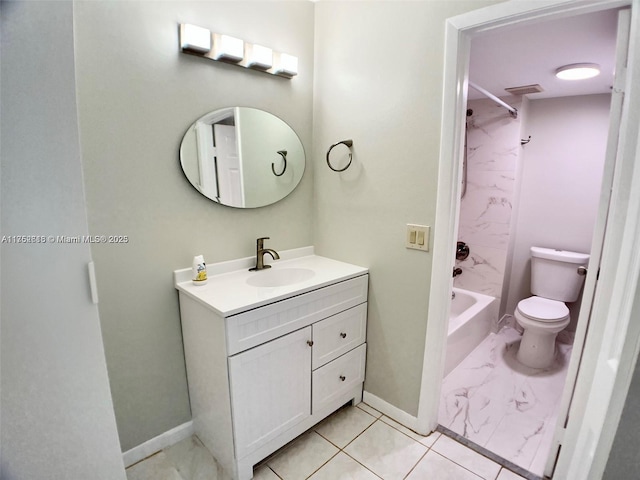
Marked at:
<point>242,157</point>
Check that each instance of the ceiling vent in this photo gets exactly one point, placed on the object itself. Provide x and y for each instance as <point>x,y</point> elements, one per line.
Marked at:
<point>525,89</point>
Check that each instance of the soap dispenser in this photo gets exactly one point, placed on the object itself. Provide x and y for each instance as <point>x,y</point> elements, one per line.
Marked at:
<point>199,270</point>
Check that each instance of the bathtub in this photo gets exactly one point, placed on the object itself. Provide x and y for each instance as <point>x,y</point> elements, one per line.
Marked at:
<point>470,320</point>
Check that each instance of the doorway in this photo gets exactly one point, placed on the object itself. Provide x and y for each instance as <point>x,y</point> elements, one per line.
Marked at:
<point>533,180</point>
<point>459,33</point>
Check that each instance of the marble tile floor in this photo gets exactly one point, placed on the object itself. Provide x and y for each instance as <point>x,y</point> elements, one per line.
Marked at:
<point>355,443</point>
<point>503,406</point>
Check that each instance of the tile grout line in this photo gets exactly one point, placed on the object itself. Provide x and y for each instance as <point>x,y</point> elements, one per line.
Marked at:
<point>341,450</point>
<point>354,439</point>
<point>313,429</point>
<point>462,466</point>
<point>361,464</point>
<point>379,419</point>
<point>274,472</point>
<point>328,460</point>
<point>419,460</point>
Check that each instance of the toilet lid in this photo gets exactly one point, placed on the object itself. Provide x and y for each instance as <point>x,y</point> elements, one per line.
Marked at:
<point>543,309</point>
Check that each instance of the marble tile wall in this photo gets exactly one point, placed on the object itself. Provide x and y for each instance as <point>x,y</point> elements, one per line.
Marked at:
<point>493,149</point>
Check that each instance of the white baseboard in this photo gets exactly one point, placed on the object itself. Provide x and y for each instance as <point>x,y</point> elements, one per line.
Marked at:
<point>156,444</point>
<point>390,411</point>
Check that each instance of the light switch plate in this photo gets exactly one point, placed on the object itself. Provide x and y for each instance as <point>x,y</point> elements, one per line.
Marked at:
<point>418,237</point>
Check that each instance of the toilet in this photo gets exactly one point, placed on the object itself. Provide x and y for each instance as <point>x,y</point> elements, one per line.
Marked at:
<point>556,278</point>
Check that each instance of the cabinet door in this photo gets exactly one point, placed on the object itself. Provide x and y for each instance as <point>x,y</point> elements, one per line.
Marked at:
<point>270,389</point>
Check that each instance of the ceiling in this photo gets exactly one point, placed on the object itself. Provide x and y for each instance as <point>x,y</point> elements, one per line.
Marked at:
<point>531,54</point>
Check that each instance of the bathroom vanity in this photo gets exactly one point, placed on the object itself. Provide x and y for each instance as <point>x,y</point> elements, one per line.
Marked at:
<point>271,353</point>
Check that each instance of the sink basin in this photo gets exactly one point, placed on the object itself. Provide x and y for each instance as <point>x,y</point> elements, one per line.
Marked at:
<point>279,277</point>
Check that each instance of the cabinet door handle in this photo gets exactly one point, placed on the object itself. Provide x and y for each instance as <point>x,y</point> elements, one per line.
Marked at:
<point>343,378</point>
<point>343,335</point>
<point>310,343</point>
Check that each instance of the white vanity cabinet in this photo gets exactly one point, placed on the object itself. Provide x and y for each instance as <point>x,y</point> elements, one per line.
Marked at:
<point>261,377</point>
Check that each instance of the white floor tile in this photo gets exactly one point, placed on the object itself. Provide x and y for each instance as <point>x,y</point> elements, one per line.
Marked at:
<point>193,461</point>
<point>385,451</point>
<point>502,405</point>
<point>370,410</point>
<point>509,475</point>
<point>156,467</point>
<point>344,425</point>
<point>427,441</point>
<point>539,461</point>
<point>303,457</point>
<point>435,466</point>
<point>264,473</point>
<point>343,467</point>
<point>518,438</point>
<point>467,458</point>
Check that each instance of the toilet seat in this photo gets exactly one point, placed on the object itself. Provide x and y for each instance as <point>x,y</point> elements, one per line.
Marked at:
<point>543,310</point>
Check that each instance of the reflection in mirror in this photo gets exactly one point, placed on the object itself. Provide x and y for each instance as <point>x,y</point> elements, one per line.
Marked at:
<point>242,157</point>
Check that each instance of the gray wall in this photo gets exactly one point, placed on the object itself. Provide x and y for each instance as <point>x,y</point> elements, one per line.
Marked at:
<point>379,73</point>
<point>57,415</point>
<point>137,96</point>
<point>560,183</point>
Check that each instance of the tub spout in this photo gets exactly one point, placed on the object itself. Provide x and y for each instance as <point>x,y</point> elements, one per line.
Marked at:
<point>457,271</point>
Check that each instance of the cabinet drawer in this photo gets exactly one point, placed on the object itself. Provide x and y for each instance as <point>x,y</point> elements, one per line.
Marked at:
<point>248,329</point>
<point>338,334</point>
<point>338,377</point>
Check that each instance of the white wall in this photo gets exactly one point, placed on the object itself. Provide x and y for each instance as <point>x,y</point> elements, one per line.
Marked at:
<point>137,96</point>
<point>379,70</point>
<point>57,415</point>
<point>560,185</point>
<point>493,155</point>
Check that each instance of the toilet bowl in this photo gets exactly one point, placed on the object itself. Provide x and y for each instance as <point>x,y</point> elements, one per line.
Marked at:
<point>542,319</point>
<point>556,277</point>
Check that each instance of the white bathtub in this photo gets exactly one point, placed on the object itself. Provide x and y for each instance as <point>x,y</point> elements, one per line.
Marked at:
<point>470,320</point>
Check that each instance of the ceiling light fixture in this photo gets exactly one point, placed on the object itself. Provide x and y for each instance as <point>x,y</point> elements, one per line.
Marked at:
<point>578,71</point>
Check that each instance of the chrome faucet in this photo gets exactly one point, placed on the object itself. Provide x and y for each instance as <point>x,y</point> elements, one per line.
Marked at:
<point>260,251</point>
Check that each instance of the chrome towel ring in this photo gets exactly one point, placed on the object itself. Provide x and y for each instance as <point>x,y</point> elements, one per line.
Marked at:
<point>283,154</point>
<point>347,143</point>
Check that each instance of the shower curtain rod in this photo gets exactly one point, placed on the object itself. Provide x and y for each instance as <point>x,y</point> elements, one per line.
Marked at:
<point>512,110</point>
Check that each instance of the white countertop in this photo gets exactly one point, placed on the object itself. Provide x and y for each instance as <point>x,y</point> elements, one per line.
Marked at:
<point>228,293</point>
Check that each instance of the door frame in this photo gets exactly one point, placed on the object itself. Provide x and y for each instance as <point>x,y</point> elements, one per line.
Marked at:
<point>613,342</point>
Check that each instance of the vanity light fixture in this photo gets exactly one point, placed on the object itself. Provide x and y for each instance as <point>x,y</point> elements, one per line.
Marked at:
<point>214,46</point>
<point>228,48</point>
<point>286,65</point>
<point>194,38</point>
<point>578,71</point>
<point>259,57</point>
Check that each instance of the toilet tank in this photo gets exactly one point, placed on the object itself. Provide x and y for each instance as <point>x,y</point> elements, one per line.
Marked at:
<point>554,273</point>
